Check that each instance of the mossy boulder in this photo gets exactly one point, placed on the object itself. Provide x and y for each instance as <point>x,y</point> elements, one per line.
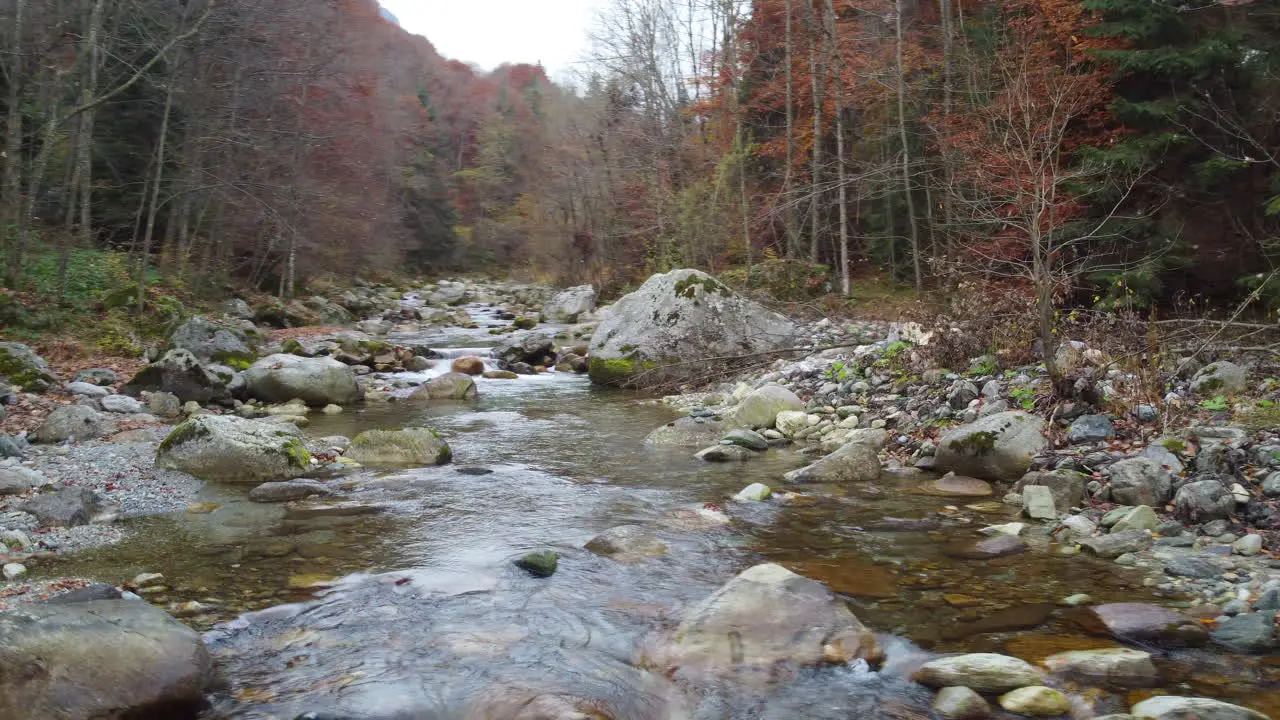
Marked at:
<point>998,447</point>
<point>22,368</point>
<point>410,447</point>
<point>570,305</point>
<point>181,374</point>
<point>761,407</point>
<point>659,333</point>
<point>532,349</point>
<point>232,449</point>
<point>1221,378</point>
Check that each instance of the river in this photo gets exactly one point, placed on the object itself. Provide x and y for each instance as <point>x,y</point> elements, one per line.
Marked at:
<point>402,600</point>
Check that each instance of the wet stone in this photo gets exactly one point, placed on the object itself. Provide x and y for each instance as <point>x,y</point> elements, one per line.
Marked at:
<point>541,564</point>
<point>1142,622</point>
<point>994,547</point>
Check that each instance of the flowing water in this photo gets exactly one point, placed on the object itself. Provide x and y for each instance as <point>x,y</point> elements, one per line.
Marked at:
<point>401,600</point>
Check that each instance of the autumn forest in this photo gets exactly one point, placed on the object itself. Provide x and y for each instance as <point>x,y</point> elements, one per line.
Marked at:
<point>1107,153</point>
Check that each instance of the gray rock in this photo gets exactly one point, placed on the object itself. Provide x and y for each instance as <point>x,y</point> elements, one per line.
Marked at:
<point>1172,707</point>
<point>164,404</point>
<point>182,375</point>
<point>765,616</point>
<point>998,447</point>
<point>1037,503</point>
<point>211,341</point>
<point>72,422</point>
<point>761,407</point>
<point>962,393</point>
<point>993,547</point>
<point>87,390</point>
<point>531,349</point>
<point>1271,485</point>
<point>853,463</point>
<point>316,381</point>
<point>122,404</point>
<point>1139,481</point>
<point>450,386</point>
<point>724,453</point>
<point>1202,501</point>
<point>1250,633</point>
<point>984,672</point>
<point>275,492</point>
<point>100,659</point>
<point>236,308</point>
<point>1220,378</point>
<point>747,439</point>
<point>1067,486</point>
<point>1146,413</point>
<point>1141,623</point>
<point>22,368</point>
<point>232,449</point>
<point>1116,544</point>
<point>67,507</point>
<point>627,543</point>
<point>15,480</point>
<point>570,305</point>
<point>675,319</point>
<point>9,448</point>
<point>96,376</point>
<point>1248,545</point>
<point>960,703</point>
<point>1138,518</point>
<point>688,432</point>
<point>1122,667</point>
<point>1090,428</point>
<point>410,446</point>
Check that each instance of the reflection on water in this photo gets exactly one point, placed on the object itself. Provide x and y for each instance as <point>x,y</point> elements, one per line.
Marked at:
<point>411,607</point>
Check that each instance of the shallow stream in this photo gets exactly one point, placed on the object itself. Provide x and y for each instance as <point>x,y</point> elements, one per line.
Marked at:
<point>401,601</point>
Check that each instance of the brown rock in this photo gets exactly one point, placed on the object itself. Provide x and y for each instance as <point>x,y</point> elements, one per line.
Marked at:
<point>1142,622</point>
<point>952,485</point>
<point>469,365</point>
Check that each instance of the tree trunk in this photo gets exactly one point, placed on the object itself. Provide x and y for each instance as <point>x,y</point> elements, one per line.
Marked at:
<point>154,203</point>
<point>834,62</point>
<point>82,177</point>
<point>815,192</point>
<point>789,208</point>
<point>11,191</point>
<point>906,148</point>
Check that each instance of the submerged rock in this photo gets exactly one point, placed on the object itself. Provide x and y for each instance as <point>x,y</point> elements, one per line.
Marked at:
<point>100,659</point>
<point>960,703</point>
<point>1170,707</point>
<point>659,332</point>
<point>1036,700</point>
<point>274,492</point>
<point>992,547</point>
<point>765,616</point>
<point>540,564</point>
<point>627,543</point>
<point>984,672</point>
<point>411,446</point>
<point>1142,623</point>
<point>724,453</point>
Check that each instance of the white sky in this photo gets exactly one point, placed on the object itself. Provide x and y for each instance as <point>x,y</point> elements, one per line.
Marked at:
<point>491,32</point>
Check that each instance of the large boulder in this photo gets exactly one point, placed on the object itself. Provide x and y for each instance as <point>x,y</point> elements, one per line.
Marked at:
<point>99,660</point>
<point>1139,481</point>
<point>181,374</point>
<point>1221,378</point>
<point>532,349</point>
<point>761,407</point>
<point>411,446</point>
<point>23,369</point>
<point>72,422</point>
<point>1203,501</point>
<point>998,447</point>
<point>211,341</point>
<point>570,305</point>
<point>853,463</point>
<point>689,432</point>
<point>659,332</point>
<point>233,449</point>
<point>68,507</point>
<point>769,615</point>
<point>316,381</point>
<point>450,386</point>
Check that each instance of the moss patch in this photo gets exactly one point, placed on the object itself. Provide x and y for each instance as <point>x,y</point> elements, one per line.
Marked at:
<point>688,287</point>
<point>524,323</point>
<point>1174,445</point>
<point>22,373</point>
<point>975,443</point>
<point>185,432</point>
<point>293,347</point>
<point>297,454</point>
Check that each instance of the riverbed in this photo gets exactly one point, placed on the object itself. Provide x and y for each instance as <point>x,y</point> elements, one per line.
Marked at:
<point>401,600</point>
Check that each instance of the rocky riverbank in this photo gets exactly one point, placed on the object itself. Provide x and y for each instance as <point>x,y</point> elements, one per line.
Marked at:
<point>1178,496</point>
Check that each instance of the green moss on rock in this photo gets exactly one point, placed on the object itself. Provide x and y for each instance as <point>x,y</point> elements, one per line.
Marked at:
<point>688,287</point>
<point>975,443</point>
<point>181,434</point>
